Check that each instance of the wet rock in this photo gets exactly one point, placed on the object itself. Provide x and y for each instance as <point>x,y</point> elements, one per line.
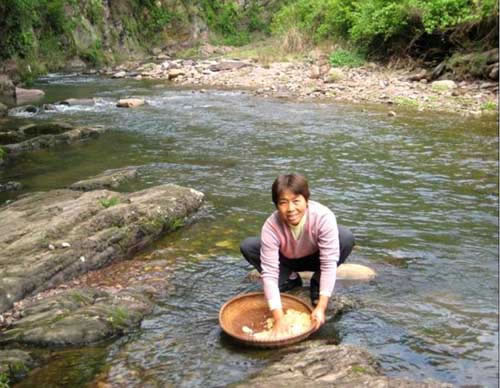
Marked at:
<point>130,102</point>
<point>49,140</point>
<point>15,363</point>
<point>26,95</point>
<point>78,317</point>
<point>27,110</point>
<point>10,186</point>
<point>109,179</point>
<point>77,101</point>
<point>100,226</point>
<point>37,129</point>
<point>318,364</point>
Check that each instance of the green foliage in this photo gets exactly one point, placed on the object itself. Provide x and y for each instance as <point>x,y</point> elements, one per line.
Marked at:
<point>4,380</point>
<point>232,23</point>
<point>108,202</point>
<point>371,22</point>
<point>119,317</point>
<point>341,58</point>
<point>489,106</point>
<point>94,54</point>
<point>3,153</point>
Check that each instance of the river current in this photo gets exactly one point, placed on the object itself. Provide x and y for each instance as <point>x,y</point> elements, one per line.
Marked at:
<point>419,191</point>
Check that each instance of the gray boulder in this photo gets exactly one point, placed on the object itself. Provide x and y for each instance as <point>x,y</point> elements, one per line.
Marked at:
<point>78,317</point>
<point>109,179</point>
<point>318,364</point>
<point>50,237</point>
<point>27,95</point>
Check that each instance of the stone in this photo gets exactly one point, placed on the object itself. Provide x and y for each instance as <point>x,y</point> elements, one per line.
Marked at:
<point>174,73</point>
<point>27,95</point>
<point>109,179</point>
<point>120,74</point>
<point>77,317</point>
<point>315,72</point>
<point>99,225</point>
<point>7,87</point>
<point>334,75</point>
<point>443,85</point>
<point>130,102</point>
<point>351,271</point>
<point>77,101</point>
<point>51,140</point>
<point>228,65</point>
<point>317,363</point>
<point>493,72</point>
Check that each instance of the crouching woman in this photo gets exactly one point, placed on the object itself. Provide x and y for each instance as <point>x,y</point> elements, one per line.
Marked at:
<point>301,235</point>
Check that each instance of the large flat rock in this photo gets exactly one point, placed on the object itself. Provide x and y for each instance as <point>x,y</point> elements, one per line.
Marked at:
<point>48,238</point>
<point>318,364</point>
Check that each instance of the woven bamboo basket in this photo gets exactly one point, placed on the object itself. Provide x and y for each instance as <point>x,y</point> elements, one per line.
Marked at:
<point>251,310</point>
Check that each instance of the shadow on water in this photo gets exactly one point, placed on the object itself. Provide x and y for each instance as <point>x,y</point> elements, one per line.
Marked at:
<point>420,193</point>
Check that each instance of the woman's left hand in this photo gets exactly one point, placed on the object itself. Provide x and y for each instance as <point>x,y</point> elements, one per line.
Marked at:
<point>318,317</point>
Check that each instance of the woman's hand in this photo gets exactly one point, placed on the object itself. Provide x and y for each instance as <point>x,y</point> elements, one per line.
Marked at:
<point>280,328</point>
<point>318,314</point>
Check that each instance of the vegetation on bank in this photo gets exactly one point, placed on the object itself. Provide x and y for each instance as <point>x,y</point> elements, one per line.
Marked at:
<point>41,35</point>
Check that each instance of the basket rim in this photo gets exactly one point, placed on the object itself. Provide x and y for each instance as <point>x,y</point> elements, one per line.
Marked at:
<point>261,342</point>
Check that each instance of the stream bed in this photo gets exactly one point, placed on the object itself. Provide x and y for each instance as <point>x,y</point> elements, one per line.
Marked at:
<point>419,191</point>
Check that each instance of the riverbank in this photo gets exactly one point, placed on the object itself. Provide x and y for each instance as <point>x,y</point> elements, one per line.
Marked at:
<point>312,78</point>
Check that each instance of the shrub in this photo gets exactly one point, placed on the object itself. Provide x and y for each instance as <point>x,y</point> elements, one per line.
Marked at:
<point>341,58</point>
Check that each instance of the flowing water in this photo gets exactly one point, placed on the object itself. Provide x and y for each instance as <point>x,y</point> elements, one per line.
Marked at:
<point>419,191</point>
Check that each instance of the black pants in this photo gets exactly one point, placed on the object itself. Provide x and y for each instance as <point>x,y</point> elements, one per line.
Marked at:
<point>250,249</point>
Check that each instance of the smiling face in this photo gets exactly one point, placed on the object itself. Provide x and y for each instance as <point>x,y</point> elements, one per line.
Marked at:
<point>291,207</point>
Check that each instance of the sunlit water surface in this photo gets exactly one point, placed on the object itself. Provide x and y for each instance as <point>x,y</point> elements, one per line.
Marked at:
<point>419,191</point>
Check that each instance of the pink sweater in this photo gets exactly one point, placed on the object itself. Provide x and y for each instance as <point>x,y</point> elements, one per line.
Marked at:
<point>320,234</point>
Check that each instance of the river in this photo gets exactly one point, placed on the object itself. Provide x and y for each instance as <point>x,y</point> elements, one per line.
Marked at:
<point>419,191</point>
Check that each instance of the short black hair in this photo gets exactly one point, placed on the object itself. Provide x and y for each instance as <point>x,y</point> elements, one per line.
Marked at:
<point>296,183</point>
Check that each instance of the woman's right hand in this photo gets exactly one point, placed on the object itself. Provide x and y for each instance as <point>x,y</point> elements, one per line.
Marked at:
<point>280,328</point>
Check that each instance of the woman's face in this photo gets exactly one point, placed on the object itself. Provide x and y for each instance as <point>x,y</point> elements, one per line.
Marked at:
<point>291,207</point>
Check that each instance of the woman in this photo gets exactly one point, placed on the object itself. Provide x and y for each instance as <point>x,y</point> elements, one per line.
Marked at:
<point>301,235</point>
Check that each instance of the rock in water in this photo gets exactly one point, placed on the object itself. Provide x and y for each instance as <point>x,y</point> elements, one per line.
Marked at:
<point>130,103</point>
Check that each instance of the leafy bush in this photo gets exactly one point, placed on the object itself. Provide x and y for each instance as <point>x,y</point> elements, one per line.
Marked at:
<point>371,22</point>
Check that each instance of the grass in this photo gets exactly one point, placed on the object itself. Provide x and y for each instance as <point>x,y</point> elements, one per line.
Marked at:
<point>108,202</point>
<point>345,58</point>
<point>358,369</point>
<point>267,51</point>
<point>119,317</point>
<point>488,106</point>
<point>405,101</point>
